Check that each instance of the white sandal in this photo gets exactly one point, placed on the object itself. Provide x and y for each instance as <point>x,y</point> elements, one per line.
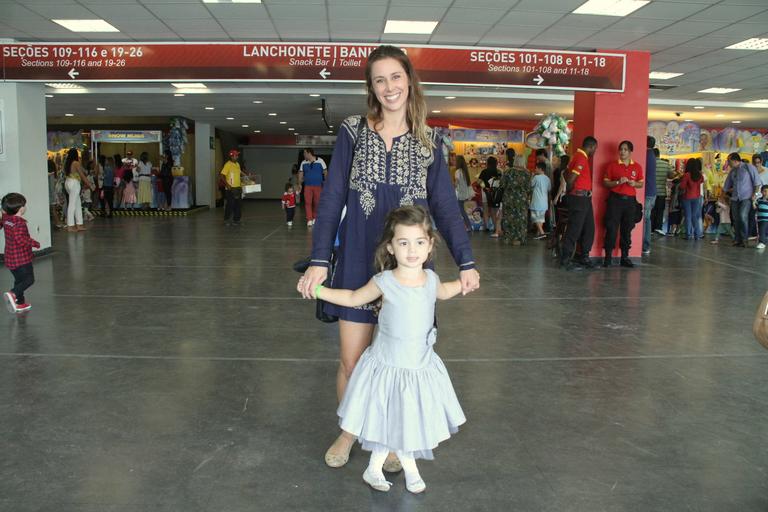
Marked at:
<point>416,487</point>
<point>378,483</point>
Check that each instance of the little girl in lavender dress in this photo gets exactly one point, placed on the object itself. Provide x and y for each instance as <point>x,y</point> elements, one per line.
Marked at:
<point>400,398</point>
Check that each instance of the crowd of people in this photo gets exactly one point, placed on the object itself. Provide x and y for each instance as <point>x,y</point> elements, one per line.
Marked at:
<point>107,183</point>
<point>555,201</point>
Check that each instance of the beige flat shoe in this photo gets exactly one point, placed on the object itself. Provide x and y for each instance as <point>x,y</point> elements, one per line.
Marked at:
<point>334,460</point>
<point>392,464</point>
<point>337,460</point>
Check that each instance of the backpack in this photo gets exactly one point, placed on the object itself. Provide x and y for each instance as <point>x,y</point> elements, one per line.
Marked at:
<point>495,192</point>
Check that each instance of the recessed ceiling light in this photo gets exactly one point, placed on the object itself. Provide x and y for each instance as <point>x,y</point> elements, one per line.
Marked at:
<point>258,102</point>
<point>719,115</point>
<point>272,114</point>
<point>256,131</point>
<point>450,97</point>
<point>330,126</point>
<point>86,25</point>
<point>409,27</point>
<point>330,131</point>
<point>69,115</point>
<point>102,109</point>
<point>283,122</point>
<point>190,85</point>
<point>244,125</point>
<point>699,107</point>
<point>65,85</point>
<point>755,43</point>
<point>49,95</point>
<point>230,119</point>
<point>210,108</point>
<point>663,75</point>
<point>718,90</point>
<point>539,114</point>
<point>736,122</point>
<point>610,7</point>
<point>320,108</point>
<point>436,111</point>
<point>689,120</point>
<point>764,101</point>
<point>290,129</point>
<point>178,95</point>
<point>314,95</point>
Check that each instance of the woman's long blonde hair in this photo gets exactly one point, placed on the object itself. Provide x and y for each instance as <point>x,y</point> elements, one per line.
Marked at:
<point>416,108</point>
<point>406,216</point>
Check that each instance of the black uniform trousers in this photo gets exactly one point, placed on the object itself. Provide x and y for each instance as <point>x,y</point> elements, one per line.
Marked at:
<point>619,215</point>
<point>580,229</point>
<point>233,207</point>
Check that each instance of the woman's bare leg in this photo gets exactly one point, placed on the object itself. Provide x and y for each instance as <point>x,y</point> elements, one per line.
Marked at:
<point>354,338</point>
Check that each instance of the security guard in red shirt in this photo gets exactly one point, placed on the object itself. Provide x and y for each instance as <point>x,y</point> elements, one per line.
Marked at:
<point>581,219</point>
<point>623,177</point>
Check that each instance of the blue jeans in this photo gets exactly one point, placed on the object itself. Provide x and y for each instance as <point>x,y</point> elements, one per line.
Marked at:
<point>692,208</point>
<point>740,219</point>
<point>762,230</point>
<point>650,203</point>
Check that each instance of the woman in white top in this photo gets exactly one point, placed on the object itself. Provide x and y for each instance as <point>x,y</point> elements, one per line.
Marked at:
<point>75,179</point>
<point>145,181</point>
<point>464,191</point>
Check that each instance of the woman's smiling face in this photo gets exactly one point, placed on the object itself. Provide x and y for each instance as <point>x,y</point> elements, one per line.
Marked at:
<point>390,84</point>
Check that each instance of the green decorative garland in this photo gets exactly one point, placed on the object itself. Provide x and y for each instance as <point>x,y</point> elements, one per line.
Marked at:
<point>554,132</point>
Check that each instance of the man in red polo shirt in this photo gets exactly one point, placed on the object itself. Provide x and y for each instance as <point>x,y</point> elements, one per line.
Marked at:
<point>581,220</point>
<point>623,177</point>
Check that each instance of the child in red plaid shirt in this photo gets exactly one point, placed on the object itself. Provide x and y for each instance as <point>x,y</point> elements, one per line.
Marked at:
<point>18,251</point>
<point>289,204</point>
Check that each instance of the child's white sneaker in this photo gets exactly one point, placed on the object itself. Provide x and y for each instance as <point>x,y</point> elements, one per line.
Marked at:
<point>290,223</point>
<point>761,245</point>
<point>10,301</point>
<point>375,481</point>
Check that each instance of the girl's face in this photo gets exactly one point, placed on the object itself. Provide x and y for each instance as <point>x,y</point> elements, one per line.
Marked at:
<point>624,152</point>
<point>410,246</point>
<point>765,193</point>
<point>390,84</point>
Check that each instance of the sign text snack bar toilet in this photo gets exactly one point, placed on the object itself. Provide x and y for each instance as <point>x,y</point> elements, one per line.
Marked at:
<point>303,62</point>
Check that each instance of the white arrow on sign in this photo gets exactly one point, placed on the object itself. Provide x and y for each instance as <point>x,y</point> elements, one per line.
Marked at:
<point>72,73</point>
<point>539,80</point>
<point>325,73</point>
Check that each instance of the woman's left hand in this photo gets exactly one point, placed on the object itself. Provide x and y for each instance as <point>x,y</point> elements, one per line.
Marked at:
<point>470,280</point>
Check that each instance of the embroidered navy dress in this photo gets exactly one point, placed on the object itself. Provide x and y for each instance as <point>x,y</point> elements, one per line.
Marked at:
<point>371,182</point>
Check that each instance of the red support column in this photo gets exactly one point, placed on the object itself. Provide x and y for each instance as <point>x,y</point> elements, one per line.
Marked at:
<point>612,117</point>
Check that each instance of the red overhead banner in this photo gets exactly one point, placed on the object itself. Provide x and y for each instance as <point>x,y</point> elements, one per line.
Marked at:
<point>303,62</point>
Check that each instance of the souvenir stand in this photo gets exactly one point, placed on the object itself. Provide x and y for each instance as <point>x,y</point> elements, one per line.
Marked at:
<point>476,146</point>
<point>181,194</point>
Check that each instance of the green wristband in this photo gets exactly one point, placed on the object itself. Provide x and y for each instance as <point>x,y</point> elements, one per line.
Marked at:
<point>317,290</point>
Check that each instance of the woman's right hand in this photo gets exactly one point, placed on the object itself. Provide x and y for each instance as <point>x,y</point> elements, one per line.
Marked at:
<point>310,279</point>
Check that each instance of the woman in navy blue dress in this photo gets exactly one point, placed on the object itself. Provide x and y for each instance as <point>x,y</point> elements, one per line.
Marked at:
<point>389,158</point>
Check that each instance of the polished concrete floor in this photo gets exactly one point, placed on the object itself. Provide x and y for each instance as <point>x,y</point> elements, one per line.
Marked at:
<point>168,365</point>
